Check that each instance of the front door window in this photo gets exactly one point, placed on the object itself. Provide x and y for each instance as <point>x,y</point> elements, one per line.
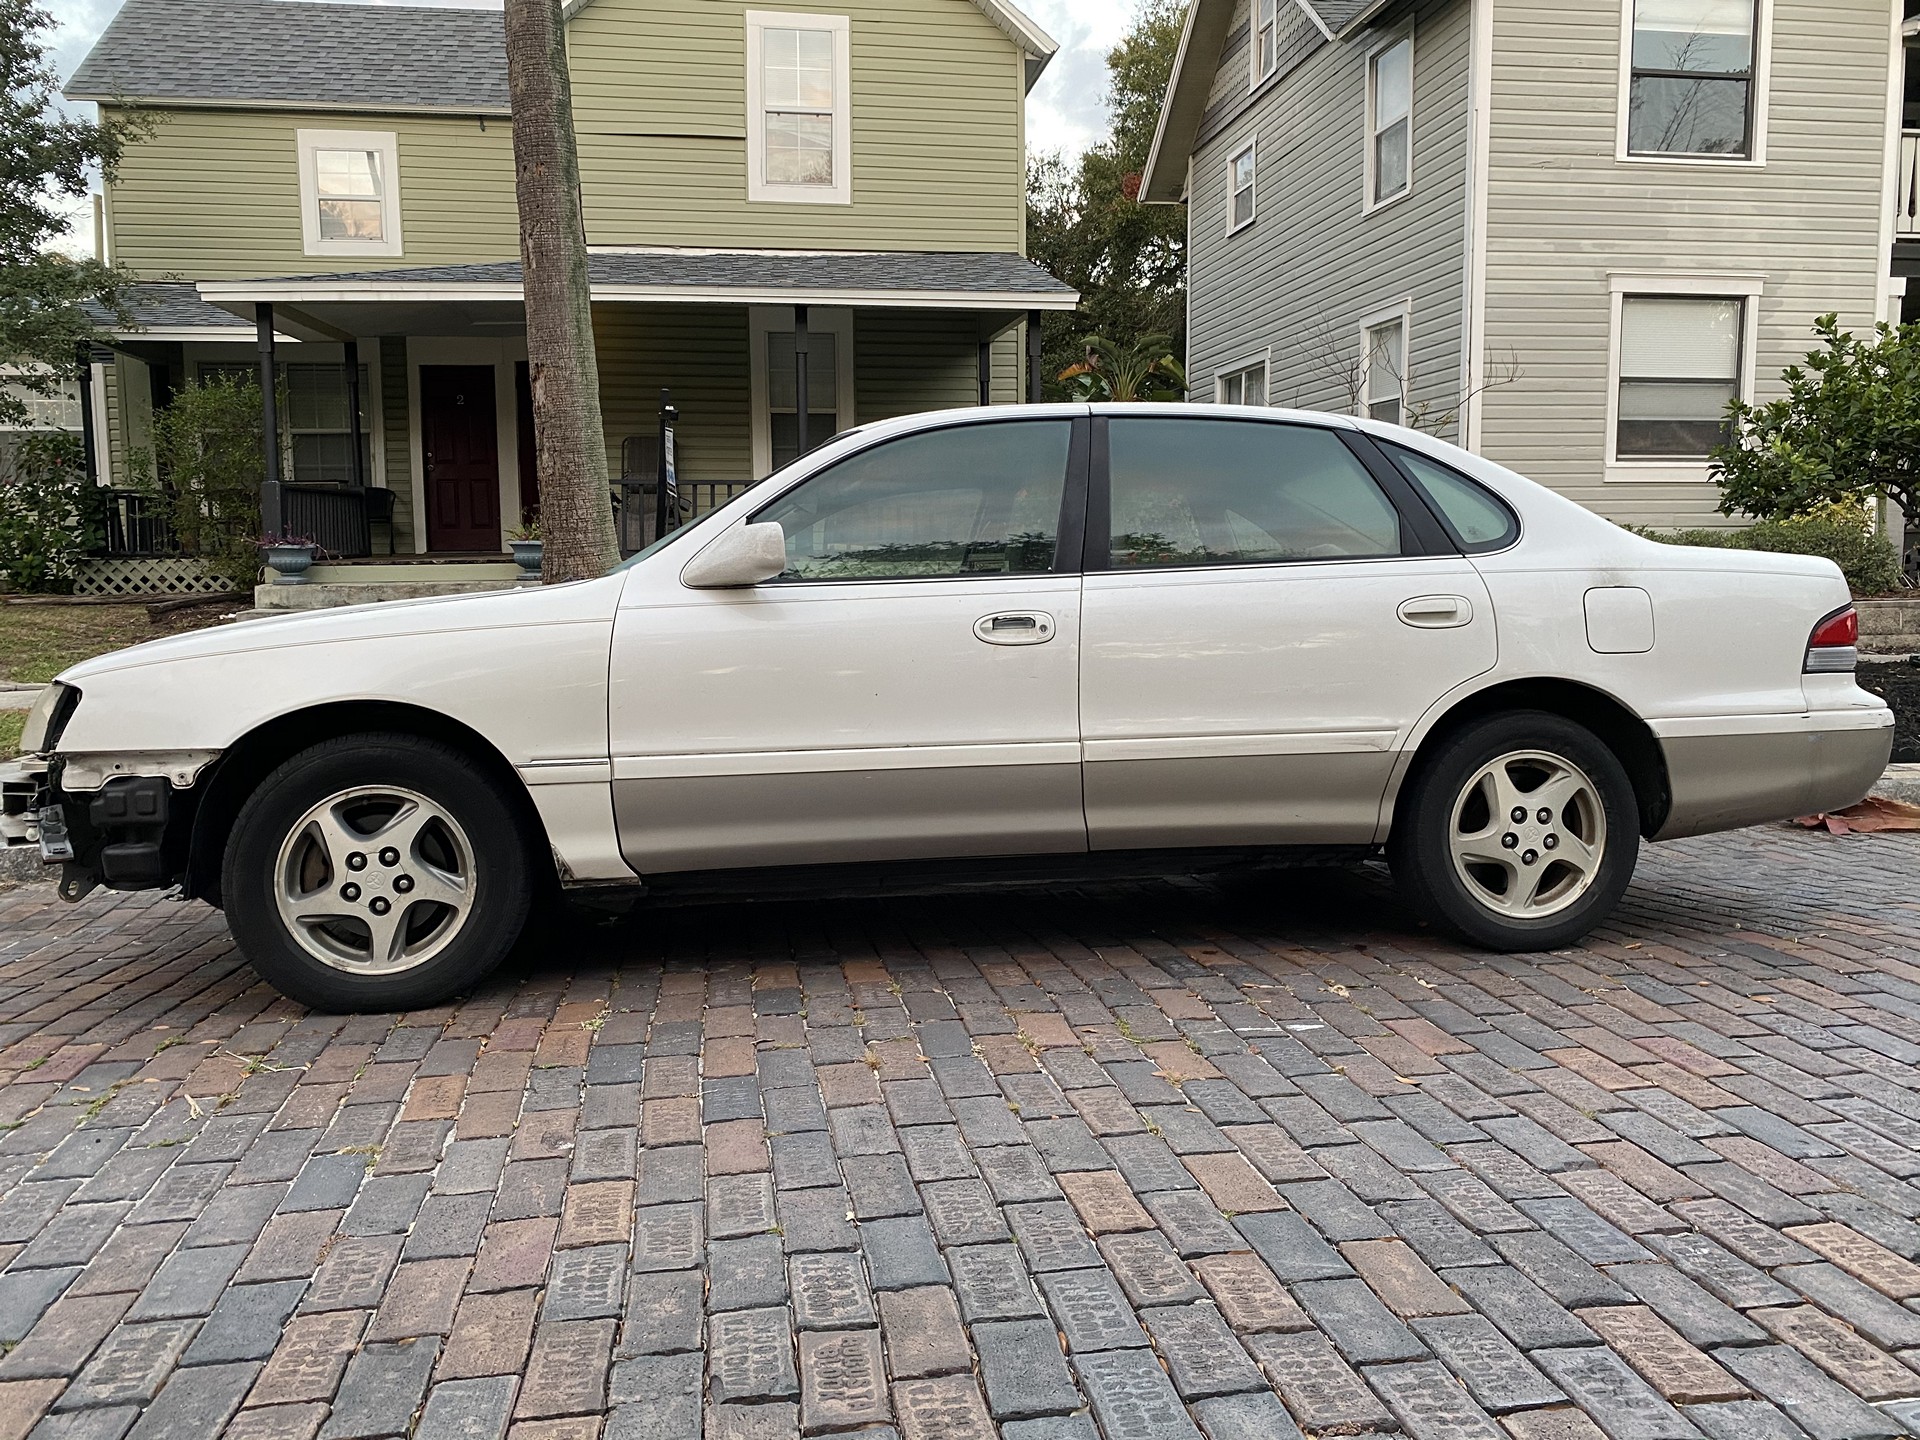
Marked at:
<point>783,393</point>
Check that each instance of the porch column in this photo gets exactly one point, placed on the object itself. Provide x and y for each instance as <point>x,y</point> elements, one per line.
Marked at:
<point>271,522</point>
<point>357,466</point>
<point>800,378</point>
<point>986,372</point>
<point>1034,391</point>
<point>89,442</point>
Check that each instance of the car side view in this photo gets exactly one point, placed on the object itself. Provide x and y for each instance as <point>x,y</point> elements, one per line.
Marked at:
<point>1037,641</point>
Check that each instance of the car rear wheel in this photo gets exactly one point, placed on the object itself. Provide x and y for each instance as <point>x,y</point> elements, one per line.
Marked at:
<point>1521,833</point>
<point>376,872</point>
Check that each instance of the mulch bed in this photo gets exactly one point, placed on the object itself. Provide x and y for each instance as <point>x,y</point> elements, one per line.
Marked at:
<point>1898,683</point>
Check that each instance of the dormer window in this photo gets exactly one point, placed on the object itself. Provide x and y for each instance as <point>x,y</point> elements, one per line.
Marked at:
<point>350,192</point>
<point>798,115</point>
<point>1266,39</point>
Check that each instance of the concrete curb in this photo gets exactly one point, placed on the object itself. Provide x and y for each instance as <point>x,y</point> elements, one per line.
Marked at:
<point>23,867</point>
<point>1901,782</point>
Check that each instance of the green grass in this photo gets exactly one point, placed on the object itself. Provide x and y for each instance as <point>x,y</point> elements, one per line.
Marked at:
<point>37,642</point>
<point>12,722</point>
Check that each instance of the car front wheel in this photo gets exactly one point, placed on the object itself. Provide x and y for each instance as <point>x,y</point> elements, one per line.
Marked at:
<point>1521,833</point>
<point>376,872</point>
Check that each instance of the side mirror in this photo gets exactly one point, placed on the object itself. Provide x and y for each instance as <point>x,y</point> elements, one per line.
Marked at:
<point>739,558</point>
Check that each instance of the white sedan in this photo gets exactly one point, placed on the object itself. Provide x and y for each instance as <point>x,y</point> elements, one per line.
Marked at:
<point>1044,641</point>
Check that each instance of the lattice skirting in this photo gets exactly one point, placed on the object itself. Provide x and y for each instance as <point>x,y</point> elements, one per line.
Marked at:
<point>146,578</point>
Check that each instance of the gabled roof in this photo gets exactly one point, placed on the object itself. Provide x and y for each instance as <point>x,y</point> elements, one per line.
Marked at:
<point>297,53</point>
<point>1185,106</point>
<point>317,56</point>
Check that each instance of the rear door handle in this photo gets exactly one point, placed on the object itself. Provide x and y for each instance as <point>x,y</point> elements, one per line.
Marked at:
<point>1020,627</point>
<point>1437,612</point>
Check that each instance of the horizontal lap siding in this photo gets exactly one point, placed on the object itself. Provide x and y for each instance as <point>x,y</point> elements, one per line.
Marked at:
<point>215,194</point>
<point>1564,212</point>
<point>1313,265</point>
<point>700,352</point>
<point>660,103</point>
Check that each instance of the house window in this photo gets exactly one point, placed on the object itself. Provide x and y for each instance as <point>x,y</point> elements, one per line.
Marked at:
<point>319,425</point>
<point>54,408</point>
<point>1383,381</point>
<point>1241,174</point>
<point>1266,39</point>
<point>350,192</point>
<point>1390,121</point>
<point>1246,386</point>
<point>1691,86</point>
<point>1680,367</point>
<point>798,120</point>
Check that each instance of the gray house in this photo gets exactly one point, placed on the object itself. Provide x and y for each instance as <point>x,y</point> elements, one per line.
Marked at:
<point>1563,235</point>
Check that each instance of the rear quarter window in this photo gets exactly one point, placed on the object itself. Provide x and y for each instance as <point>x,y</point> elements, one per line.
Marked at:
<point>1480,520</point>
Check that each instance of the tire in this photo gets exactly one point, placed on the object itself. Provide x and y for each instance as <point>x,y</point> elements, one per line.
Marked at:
<point>334,918</point>
<point>1516,885</point>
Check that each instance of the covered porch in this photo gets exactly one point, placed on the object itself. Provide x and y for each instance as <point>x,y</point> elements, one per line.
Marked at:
<point>407,396</point>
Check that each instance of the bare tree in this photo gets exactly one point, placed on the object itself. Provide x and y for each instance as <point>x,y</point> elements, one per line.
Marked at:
<point>576,514</point>
<point>1346,369</point>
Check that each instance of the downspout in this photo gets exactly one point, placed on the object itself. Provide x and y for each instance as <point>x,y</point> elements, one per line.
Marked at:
<point>1473,309</point>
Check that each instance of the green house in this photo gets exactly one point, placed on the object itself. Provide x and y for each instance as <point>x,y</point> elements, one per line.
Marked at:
<point>329,189</point>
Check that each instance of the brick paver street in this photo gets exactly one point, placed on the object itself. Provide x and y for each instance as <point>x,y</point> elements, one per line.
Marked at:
<point>1123,1161</point>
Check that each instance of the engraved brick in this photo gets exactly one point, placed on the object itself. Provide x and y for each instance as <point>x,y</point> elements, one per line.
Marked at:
<point>829,1292</point>
<point>1249,1295</point>
<point>963,1212</point>
<point>307,1362</point>
<point>1429,1406</point>
<point>1319,1387</point>
<point>1132,1397</point>
<point>1149,1271</point>
<point>842,1381</point>
<point>1494,1371</point>
<point>598,1213</point>
<point>566,1372</point>
<point>1192,1224</point>
<point>1862,1258</point>
<point>1625,1406</point>
<point>1848,1357</point>
<point>1203,1358</point>
<point>130,1365</point>
<point>924,1333</point>
<point>1105,1202</point>
<point>1051,1237</point>
<point>1673,1367</point>
<point>946,1408</point>
<point>586,1284</point>
<point>1091,1311</point>
<point>992,1283</point>
<point>668,1237</point>
<point>354,1274</point>
<point>490,1335</point>
<point>750,1356</point>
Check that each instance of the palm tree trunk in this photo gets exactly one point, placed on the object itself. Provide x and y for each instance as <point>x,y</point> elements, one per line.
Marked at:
<point>576,516</point>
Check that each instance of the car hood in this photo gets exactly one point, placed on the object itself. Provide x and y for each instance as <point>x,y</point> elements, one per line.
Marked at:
<point>584,601</point>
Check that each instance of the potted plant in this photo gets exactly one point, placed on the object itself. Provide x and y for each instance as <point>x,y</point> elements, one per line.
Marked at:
<point>527,549</point>
<point>289,557</point>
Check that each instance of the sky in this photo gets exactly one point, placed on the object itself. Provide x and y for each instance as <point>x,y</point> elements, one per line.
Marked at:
<point>1064,112</point>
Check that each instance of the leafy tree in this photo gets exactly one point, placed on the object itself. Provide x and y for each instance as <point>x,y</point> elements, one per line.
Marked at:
<point>1085,222</point>
<point>206,452</point>
<point>48,156</point>
<point>576,510</point>
<point>49,516</point>
<point>1846,431</point>
<point>1144,370</point>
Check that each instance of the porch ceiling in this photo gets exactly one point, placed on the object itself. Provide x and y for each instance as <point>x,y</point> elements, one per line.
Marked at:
<point>487,297</point>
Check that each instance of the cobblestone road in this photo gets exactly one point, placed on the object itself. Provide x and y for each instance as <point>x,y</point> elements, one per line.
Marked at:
<point>1123,1162</point>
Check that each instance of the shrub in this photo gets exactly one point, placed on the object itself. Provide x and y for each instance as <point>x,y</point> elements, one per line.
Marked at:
<point>1839,533</point>
<point>206,452</point>
<point>49,516</point>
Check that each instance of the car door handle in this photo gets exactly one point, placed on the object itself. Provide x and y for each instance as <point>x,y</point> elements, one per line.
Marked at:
<point>1020,627</point>
<point>1437,612</point>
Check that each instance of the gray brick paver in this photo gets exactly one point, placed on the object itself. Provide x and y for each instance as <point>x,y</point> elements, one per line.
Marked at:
<point>1129,1121</point>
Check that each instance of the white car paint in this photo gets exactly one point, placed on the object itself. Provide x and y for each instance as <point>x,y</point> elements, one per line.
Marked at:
<point>894,732</point>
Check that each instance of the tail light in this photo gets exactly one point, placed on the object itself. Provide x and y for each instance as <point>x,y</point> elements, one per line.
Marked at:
<point>1834,646</point>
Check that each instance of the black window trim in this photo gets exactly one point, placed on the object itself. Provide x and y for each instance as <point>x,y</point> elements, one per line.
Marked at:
<point>1391,452</point>
<point>1422,535</point>
<point>1068,544</point>
<point>1742,306</point>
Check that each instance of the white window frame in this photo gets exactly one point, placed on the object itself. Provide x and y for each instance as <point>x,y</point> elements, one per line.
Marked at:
<point>765,320</point>
<point>45,412</point>
<point>1252,148</point>
<point>840,192</point>
<point>1255,75</point>
<point>1387,42</point>
<point>1261,360</point>
<point>1758,96</point>
<point>383,142</point>
<point>1745,288</point>
<point>1399,312</point>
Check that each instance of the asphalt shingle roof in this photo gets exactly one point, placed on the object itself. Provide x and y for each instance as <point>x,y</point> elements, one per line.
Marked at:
<point>378,56</point>
<point>169,305</point>
<point>962,271</point>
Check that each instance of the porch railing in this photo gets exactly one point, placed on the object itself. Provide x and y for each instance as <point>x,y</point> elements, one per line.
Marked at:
<point>137,526</point>
<point>1906,200</point>
<point>334,517</point>
<point>634,506</point>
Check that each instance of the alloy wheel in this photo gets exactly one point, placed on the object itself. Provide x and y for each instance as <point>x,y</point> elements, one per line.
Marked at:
<point>375,880</point>
<point>1528,834</point>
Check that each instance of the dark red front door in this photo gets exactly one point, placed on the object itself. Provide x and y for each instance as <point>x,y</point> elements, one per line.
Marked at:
<point>459,434</point>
